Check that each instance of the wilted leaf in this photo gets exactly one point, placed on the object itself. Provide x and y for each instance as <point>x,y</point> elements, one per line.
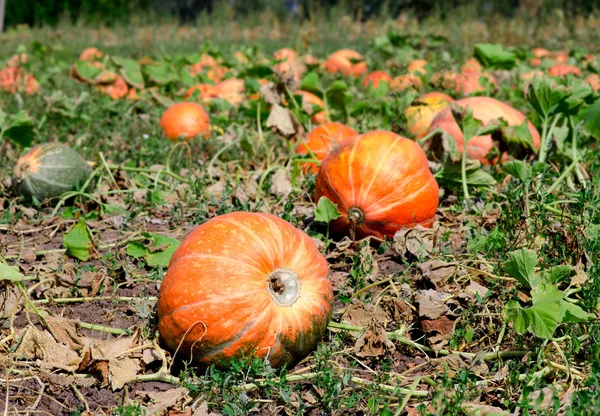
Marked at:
<point>432,303</point>
<point>282,119</point>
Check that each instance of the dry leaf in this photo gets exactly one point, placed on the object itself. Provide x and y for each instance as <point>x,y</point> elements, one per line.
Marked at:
<point>440,331</point>
<point>436,271</point>
<point>418,242</point>
<point>474,409</point>
<point>374,342</point>
<point>282,119</point>
<point>202,410</point>
<point>164,401</point>
<point>42,347</point>
<point>361,314</point>
<point>11,301</point>
<point>476,289</point>
<point>122,371</point>
<point>431,303</point>
<point>281,183</point>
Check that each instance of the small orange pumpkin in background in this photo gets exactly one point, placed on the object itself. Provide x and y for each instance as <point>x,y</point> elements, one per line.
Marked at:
<point>112,85</point>
<point>594,81</point>
<point>317,118</point>
<point>207,92</point>
<point>90,54</point>
<point>185,120</point>
<point>471,66</point>
<point>375,77</point>
<point>560,70</point>
<point>381,183</point>
<point>321,140</point>
<point>484,109</point>
<point>406,81</point>
<point>423,110</point>
<point>417,67</point>
<point>232,90</point>
<point>245,284</point>
<point>341,62</point>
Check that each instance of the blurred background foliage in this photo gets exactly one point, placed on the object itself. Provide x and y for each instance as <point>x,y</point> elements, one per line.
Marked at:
<point>111,12</point>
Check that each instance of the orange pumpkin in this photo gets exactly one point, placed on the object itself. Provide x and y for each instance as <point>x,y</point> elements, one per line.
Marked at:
<point>560,70</point>
<point>317,118</point>
<point>245,284</point>
<point>484,109</point>
<point>403,82</point>
<point>91,54</point>
<point>423,110</point>
<point>375,77</point>
<point>185,120</point>
<point>417,67</point>
<point>594,81</point>
<point>112,85</point>
<point>341,62</point>
<point>321,140</point>
<point>381,183</point>
<point>207,92</point>
<point>472,66</point>
<point>232,90</point>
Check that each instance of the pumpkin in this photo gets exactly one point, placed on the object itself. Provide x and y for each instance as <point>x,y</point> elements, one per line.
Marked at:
<point>375,77</point>
<point>341,62</point>
<point>381,183</point>
<point>313,100</point>
<point>91,54</point>
<point>206,91</point>
<point>13,79</point>
<point>245,284</point>
<point>484,109</point>
<point>594,81</point>
<point>403,82</point>
<point>112,85</point>
<point>560,70</point>
<point>185,120</point>
<point>320,141</point>
<point>471,66</point>
<point>423,110</point>
<point>232,90</point>
<point>48,170</point>
<point>417,67</point>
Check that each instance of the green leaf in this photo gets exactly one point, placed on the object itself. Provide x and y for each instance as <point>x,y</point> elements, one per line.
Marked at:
<point>161,258</point>
<point>591,119</point>
<point>136,249</point>
<point>518,169</point>
<point>517,139</point>
<point>521,266</point>
<point>495,56</point>
<point>11,273</point>
<point>513,313</point>
<point>311,83</point>
<point>542,319</point>
<point>326,211</point>
<point>18,127</point>
<point>476,176</point>
<point>161,73</point>
<point>569,312</point>
<point>88,72</point>
<point>559,273</point>
<point>382,90</point>
<point>552,96</point>
<point>78,241</point>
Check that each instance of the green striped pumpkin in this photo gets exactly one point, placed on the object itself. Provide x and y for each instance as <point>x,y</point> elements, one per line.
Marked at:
<point>48,170</point>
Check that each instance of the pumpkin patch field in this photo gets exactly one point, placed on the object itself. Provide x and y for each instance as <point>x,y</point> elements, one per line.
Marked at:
<point>401,221</point>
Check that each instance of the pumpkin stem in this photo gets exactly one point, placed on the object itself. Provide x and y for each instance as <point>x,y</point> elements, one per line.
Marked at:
<point>356,217</point>
<point>284,286</point>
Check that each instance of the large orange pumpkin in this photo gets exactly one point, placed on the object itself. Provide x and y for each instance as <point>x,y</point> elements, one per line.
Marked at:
<point>185,120</point>
<point>245,284</point>
<point>423,110</point>
<point>321,140</point>
<point>341,62</point>
<point>381,183</point>
<point>484,109</point>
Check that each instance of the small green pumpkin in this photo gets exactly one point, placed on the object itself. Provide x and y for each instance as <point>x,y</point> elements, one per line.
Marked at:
<point>48,170</point>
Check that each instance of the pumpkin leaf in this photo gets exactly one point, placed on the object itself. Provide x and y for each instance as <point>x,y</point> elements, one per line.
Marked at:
<point>521,266</point>
<point>517,138</point>
<point>78,241</point>
<point>326,211</point>
<point>476,176</point>
<point>519,169</point>
<point>87,72</point>
<point>591,119</point>
<point>11,273</point>
<point>160,73</point>
<point>552,96</point>
<point>19,128</point>
<point>311,82</point>
<point>159,254</point>
<point>472,127</point>
<point>495,56</point>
